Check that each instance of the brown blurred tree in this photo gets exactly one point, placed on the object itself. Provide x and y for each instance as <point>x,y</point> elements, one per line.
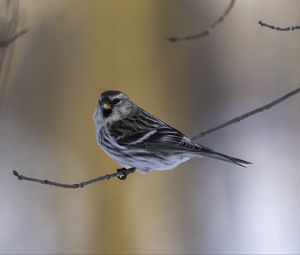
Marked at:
<point>9,21</point>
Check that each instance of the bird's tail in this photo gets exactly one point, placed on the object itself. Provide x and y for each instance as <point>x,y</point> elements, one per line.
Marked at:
<point>236,161</point>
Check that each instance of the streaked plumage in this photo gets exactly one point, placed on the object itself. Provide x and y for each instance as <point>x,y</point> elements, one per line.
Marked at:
<point>136,138</point>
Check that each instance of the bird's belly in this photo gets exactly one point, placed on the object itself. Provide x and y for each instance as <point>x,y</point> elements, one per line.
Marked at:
<point>168,163</point>
<point>145,161</point>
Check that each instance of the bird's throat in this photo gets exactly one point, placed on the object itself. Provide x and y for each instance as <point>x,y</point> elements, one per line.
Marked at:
<point>106,112</point>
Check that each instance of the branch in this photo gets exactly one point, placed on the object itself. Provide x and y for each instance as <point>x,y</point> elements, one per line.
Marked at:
<point>248,114</point>
<point>206,31</point>
<point>121,174</point>
<point>290,28</point>
<point>8,41</point>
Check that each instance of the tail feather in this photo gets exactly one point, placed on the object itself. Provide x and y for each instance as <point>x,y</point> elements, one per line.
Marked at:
<point>230,159</point>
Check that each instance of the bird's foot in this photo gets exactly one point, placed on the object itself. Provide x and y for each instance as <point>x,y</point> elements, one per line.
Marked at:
<point>122,175</point>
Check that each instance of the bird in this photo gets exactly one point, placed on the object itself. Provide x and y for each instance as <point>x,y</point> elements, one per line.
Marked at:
<point>139,140</point>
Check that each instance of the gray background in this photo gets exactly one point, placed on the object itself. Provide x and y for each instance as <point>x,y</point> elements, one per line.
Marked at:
<point>77,49</point>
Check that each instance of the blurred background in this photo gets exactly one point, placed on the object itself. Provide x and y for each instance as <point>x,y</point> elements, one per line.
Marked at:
<point>51,78</point>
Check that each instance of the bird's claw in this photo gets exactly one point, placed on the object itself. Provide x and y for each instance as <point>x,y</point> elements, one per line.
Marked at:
<point>122,175</point>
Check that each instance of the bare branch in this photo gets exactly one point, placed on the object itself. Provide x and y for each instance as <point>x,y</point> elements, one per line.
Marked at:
<point>8,41</point>
<point>206,31</point>
<point>121,174</point>
<point>289,28</point>
<point>248,114</point>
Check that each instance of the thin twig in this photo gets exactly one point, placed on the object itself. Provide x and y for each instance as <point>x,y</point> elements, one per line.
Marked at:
<point>206,31</point>
<point>8,41</point>
<point>248,114</point>
<point>121,174</point>
<point>289,28</point>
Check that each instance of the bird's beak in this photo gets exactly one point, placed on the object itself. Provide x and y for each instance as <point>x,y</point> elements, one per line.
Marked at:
<point>106,106</point>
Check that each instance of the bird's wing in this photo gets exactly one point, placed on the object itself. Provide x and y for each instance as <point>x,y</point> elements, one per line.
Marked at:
<point>147,132</point>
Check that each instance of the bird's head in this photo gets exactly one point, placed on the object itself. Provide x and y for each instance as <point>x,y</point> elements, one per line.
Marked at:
<point>112,106</point>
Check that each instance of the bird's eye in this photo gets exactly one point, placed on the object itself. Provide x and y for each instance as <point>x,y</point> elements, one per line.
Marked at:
<point>116,100</point>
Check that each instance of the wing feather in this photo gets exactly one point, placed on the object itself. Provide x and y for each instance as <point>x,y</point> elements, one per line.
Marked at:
<point>145,131</point>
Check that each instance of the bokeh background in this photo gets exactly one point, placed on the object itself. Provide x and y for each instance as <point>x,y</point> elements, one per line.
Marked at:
<point>50,81</point>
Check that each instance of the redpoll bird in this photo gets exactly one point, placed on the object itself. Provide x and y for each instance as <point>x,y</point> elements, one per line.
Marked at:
<point>137,139</point>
